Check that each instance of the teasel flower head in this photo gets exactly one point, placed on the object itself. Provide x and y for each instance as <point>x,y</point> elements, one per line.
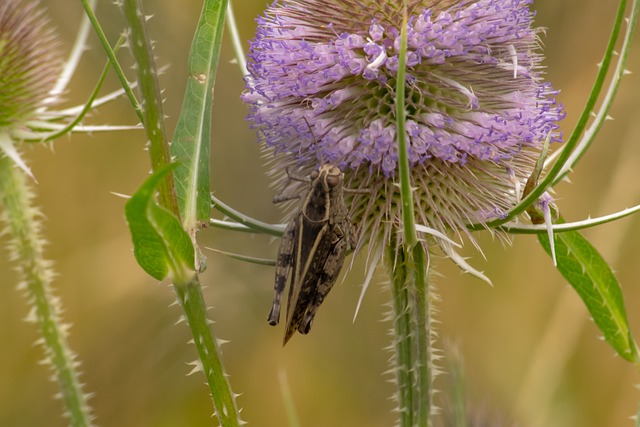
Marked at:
<point>322,89</point>
<point>29,63</point>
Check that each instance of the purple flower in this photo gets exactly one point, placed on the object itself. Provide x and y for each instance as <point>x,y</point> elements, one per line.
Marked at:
<point>322,89</point>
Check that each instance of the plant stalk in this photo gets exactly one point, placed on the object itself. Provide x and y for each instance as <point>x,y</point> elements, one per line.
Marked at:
<point>210,360</point>
<point>411,334</point>
<point>26,248</point>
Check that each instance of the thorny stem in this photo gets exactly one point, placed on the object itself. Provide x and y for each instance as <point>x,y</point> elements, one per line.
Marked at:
<point>408,216</point>
<point>187,288</point>
<point>408,269</point>
<point>112,58</point>
<point>26,248</point>
<point>411,333</point>
<point>193,304</point>
<point>153,117</point>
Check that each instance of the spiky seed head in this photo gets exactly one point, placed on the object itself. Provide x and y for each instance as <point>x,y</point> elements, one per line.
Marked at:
<point>29,61</point>
<point>322,89</point>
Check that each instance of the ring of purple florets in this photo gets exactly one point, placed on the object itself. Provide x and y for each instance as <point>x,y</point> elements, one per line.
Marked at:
<point>473,87</point>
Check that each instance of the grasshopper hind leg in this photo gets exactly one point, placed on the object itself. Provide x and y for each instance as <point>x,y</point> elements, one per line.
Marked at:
<point>283,266</point>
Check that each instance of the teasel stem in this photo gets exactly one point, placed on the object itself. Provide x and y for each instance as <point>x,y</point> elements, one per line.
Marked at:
<point>408,258</point>
<point>187,286</point>
<point>189,293</point>
<point>26,248</point>
<point>411,333</point>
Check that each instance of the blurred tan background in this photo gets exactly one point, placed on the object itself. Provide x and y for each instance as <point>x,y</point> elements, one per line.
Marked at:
<point>531,354</point>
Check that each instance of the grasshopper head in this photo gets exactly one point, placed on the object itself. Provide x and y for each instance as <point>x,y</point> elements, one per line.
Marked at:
<point>328,173</point>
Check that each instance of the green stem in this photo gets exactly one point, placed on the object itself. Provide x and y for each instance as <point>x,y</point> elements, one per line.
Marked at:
<point>287,398</point>
<point>253,224</point>
<point>406,193</point>
<point>408,258</point>
<point>27,249</point>
<point>192,300</point>
<point>458,397</point>
<point>557,170</point>
<point>402,344</point>
<point>153,117</point>
<point>420,292</point>
<point>232,26</point>
<point>187,287</point>
<point>88,8</point>
<point>411,331</point>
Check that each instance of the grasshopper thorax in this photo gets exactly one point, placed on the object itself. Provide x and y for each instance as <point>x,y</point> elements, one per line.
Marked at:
<point>325,183</point>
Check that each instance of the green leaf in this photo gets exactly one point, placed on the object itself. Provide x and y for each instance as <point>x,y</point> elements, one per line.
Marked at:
<point>160,244</point>
<point>589,274</point>
<point>190,146</point>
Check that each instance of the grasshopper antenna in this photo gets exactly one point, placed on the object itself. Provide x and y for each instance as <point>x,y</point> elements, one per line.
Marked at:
<point>315,141</point>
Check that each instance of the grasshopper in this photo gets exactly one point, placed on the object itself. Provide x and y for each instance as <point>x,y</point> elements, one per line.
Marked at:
<point>312,251</point>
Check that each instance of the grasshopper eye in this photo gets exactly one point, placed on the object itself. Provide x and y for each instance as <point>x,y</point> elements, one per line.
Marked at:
<point>313,175</point>
<point>334,180</point>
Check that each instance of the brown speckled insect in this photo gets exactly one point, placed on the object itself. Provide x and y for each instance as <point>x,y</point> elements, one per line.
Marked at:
<point>312,251</point>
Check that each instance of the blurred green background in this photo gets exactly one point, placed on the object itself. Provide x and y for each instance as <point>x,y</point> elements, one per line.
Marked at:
<point>531,354</point>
